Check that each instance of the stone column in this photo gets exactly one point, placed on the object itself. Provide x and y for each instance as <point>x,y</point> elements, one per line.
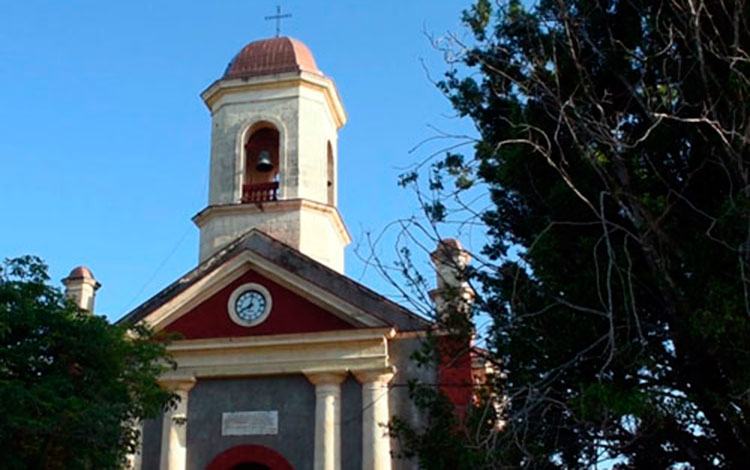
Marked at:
<point>327,454</point>
<point>134,459</point>
<point>376,443</point>
<point>174,427</point>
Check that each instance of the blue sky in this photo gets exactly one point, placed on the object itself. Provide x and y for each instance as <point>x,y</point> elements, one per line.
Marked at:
<point>104,141</point>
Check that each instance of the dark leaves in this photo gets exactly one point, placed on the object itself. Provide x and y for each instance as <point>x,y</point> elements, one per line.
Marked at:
<point>70,383</point>
<point>614,151</point>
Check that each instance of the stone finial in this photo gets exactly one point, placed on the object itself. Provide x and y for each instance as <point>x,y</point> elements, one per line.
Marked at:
<point>81,287</point>
<point>453,292</point>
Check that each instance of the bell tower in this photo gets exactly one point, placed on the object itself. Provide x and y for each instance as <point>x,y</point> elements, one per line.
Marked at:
<point>275,121</point>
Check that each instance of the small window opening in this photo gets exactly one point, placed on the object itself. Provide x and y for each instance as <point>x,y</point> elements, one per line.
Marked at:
<point>261,179</point>
<point>331,188</point>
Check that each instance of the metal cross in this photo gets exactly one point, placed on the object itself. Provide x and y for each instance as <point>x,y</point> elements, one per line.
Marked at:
<point>278,17</point>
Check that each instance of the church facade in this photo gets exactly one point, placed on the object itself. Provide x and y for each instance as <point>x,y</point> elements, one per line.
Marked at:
<point>283,362</point>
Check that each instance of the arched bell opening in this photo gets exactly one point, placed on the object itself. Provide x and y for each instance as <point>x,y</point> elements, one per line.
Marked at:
<point>261,178</point>
<point>330,175</point>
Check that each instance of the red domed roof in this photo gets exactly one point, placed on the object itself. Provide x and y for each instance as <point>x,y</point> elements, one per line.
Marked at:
<point>80,272</point>
<point>271,56</point>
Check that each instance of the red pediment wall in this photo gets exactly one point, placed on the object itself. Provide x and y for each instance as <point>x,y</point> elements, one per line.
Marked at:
<point>290,313</point>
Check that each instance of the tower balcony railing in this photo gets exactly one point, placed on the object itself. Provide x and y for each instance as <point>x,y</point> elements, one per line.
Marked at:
<point>260,192</point>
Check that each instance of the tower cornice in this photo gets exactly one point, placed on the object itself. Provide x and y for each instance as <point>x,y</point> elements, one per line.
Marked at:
<point>220,88</point>
<point>275,206</point>
<point>311,227</point>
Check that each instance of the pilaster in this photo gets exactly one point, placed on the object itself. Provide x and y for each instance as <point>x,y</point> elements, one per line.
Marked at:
<point>135,458</point>
<point>327,455</point>
<point>174,426</point>
<point>376,443</point>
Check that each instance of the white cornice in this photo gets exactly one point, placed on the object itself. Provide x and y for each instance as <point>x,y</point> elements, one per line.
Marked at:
<point>308,353</point>
<point>222,87</point>
<point>283,340</point>
<point>282,205</point>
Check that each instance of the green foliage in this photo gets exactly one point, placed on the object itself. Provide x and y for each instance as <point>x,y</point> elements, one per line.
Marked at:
<point>70,382</point>
<point>614,148</point>
<point>441,445</point>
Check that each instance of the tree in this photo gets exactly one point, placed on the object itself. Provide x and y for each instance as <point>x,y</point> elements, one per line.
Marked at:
<point>71,384</point>
<point>613,154</point>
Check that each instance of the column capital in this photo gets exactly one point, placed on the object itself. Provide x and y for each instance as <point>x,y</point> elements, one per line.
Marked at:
<point>380,375</point>
<point>178,384</point>
<point>326,378</point>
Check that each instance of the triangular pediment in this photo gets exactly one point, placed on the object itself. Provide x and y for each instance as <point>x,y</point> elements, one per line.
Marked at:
<point>307,296</point>
<point>289,312</point>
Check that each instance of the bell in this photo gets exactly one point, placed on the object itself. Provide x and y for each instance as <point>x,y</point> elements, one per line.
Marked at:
<point>264,162</point>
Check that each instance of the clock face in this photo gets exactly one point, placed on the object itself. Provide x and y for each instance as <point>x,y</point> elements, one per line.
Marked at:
<point>250,305</point>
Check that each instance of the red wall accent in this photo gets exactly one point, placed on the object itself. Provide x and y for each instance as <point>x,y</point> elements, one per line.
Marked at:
<point>454,371</point>
<point>249,454</point>
<point>290,313</point>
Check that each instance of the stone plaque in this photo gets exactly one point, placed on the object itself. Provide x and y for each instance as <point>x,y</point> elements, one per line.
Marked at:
<point>249,423</point>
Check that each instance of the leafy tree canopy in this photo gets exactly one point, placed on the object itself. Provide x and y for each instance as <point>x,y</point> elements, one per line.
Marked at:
<point>71,384</point>
<point>614,151</point>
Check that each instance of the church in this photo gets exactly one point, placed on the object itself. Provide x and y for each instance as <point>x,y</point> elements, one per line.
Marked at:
<point>283,362</point>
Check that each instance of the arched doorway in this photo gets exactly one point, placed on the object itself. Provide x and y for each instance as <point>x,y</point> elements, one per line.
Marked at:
<point>249,457</point>
<point>250,466</point>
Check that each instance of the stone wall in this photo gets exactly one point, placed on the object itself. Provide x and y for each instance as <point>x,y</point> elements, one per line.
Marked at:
<point>294,399</point>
